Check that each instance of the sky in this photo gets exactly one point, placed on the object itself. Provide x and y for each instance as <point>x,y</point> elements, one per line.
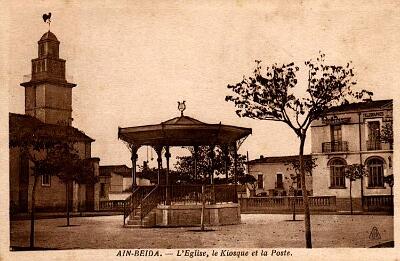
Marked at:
<point>133,61</point>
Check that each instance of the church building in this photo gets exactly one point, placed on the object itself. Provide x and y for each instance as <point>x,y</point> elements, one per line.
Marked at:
<point>48,106</point>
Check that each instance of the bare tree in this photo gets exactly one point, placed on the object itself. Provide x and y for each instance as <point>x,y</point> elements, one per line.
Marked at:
<point>268,95</point>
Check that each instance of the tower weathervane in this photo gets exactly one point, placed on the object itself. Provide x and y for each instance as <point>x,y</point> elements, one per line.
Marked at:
<point>181,107</point>
<point>46,19</point>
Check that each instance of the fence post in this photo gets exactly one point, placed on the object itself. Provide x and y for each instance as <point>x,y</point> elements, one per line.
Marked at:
<point>123,216</point>
<point>203,205</point>
<point>286,203</point>
<point>243,204</point>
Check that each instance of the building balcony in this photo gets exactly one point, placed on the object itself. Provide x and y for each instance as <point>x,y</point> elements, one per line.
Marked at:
<point>335,146</point>
<point>374,145</point>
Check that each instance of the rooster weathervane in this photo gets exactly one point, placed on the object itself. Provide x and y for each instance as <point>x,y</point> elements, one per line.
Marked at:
<point>46,19</point>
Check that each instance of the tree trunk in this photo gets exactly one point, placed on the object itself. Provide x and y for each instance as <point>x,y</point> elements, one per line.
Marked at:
<point>67,197</point>
<point>203,205</point>
<point>391,196</point>
<point>351,200</point>
<point>307,220</point>
<point>294,206</point>
<point>33,197</point>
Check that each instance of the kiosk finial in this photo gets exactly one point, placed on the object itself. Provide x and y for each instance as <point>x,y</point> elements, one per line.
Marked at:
<point>181,107</point>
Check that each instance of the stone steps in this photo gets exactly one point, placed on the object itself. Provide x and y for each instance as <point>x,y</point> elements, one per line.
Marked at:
<point>135,221</point>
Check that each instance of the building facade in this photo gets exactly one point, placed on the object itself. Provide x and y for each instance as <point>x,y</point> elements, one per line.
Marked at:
<point>48,106</point>
<point>116,182</point>
<point>352,134</point>
<point>275,176</point>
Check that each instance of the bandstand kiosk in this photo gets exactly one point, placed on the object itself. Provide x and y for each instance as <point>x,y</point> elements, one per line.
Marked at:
<point>183,204</point>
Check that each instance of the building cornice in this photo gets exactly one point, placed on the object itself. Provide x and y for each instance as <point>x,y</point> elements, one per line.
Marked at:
<point>48,80</point>
<point>352,152</point>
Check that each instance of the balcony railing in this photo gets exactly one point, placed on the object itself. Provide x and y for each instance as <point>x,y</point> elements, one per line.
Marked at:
<point>335,146</point>
<point>374,145</point>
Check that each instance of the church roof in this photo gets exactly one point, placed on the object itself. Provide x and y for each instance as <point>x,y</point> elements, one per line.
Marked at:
<point>21,124</point>
<point>48,36</point>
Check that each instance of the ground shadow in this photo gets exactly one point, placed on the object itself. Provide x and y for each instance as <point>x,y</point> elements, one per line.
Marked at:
<point>386,244</point>
<point>69,226</point>
<point>19,248</point>
<point>199,230</point>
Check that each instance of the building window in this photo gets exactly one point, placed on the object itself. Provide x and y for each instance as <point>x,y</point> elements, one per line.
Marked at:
<point>102,190</point>
<point>337,173</point>
<point>375,173</point>
<point>260,181</point>
<point>279,180</point>
<point>46,180</point>
<point>374,140</point>
<point>336,133</point>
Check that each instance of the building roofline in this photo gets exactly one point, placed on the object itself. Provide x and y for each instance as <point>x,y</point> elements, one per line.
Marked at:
<point>277,159</point>
<point>363,106</point>
<point>32,122</point>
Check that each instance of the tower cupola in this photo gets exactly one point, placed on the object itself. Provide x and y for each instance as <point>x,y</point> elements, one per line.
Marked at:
<point>48,46</point>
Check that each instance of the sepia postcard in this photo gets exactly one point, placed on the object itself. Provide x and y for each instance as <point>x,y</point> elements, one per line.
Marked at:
<point>200,130</point>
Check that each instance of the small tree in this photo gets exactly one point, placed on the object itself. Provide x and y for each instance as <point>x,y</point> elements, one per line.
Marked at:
<point>221,162</point>
<point>41,144</point>
<point>293,190</point>
<point>354,172</point>
<point>71,168</point>
<point>251,183</point>
<point>150,174</point>
<point>309,165</point>
<point>390,181</point>
<point>386,134</point>
<point>44,165</point>
<point>268,95</point>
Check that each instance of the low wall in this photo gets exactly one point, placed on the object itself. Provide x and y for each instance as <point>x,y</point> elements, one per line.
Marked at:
<point>378,203</point>
<point>318,204</point>
<point>111,205</point>
<point>190,215</point>
<point>286,204</point>
<point>343,204</point>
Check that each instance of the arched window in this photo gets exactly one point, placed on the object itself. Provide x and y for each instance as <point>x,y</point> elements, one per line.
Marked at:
<point>338,179</point>
<point>375,173</point>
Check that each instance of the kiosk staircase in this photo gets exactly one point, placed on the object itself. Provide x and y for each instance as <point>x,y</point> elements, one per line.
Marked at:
<point>140,206</point>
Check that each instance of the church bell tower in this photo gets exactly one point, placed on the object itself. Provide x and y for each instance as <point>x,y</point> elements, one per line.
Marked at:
<point>48,95</point>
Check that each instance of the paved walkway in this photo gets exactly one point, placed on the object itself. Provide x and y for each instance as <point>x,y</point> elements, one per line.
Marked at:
<point>256,231</point>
